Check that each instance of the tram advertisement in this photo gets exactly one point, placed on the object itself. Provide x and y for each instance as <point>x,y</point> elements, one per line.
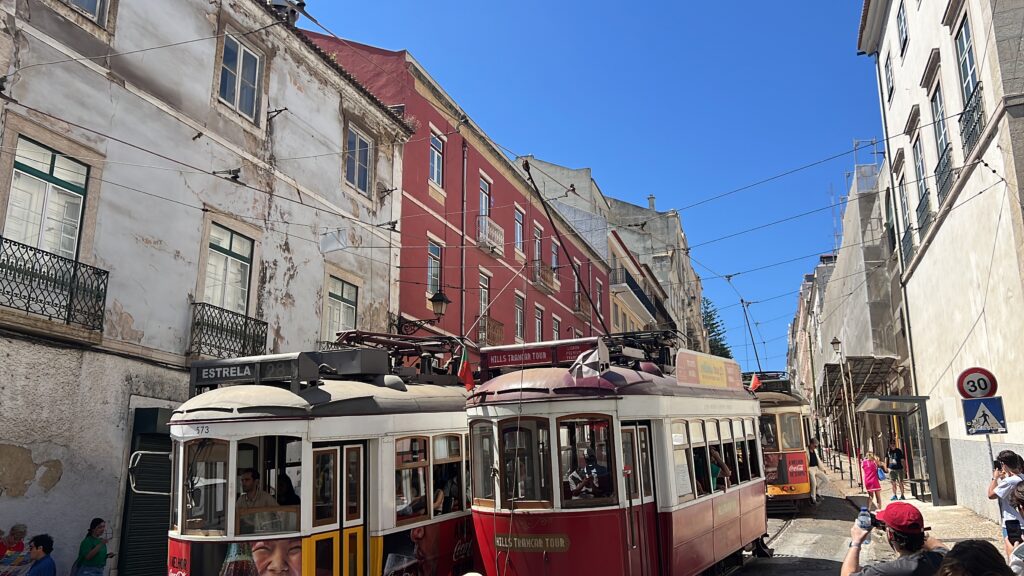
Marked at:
<point>252,558</point>
<point>441,549</point>
<point>786,468</point>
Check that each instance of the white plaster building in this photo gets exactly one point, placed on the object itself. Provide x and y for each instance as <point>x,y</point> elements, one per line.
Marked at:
<point>951,85</point>
<point>212,187</point>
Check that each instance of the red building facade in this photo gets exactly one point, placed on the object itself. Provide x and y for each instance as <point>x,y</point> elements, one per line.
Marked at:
<point>471,225</point>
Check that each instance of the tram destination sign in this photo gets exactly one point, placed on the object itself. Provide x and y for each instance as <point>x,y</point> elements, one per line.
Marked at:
<point>532,542</point>
<point>254,369</point>
<point>539,356</point>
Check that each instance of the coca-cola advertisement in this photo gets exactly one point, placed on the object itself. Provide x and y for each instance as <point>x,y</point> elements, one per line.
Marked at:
<point>441,549</point>
<point>252,558</point>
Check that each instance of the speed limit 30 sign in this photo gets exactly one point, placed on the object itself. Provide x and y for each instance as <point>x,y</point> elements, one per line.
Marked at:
<point>976,383</point>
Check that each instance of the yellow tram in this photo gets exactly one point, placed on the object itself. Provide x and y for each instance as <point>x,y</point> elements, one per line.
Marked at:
<point>784,437</point>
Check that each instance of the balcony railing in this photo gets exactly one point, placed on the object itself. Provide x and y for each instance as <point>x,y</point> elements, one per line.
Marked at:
<point>972,120</point>
<point>924,215</point>
<point>225,334</point>
<point>489,236</point>
<point>544,277</point>
<point>36,281</point>
<point>907,245</point>
<point>580,305</point>
<point>622,276</point>
<point>944,173</point>
<point>490,332</point>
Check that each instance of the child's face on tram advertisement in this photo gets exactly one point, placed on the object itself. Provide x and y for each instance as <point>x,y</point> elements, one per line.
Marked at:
<point>274,557</point>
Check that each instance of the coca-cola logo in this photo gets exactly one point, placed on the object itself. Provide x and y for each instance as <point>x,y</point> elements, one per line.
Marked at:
<point>463,550</point>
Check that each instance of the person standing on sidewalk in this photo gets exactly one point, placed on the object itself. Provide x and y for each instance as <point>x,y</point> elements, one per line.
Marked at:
<point>812,468</point>
<point>1006,476</point>
<point>869,466</point>
<point>897,472</point>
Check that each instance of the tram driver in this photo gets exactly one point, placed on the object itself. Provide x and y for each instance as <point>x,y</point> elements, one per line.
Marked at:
<point>590,480</point>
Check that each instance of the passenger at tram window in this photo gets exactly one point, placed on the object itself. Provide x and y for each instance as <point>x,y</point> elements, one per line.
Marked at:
<point>286,495</point>
<point>253,496</point>
<point>414,505</point>
<point>590,480</point>
<point>720,471</point>
<point>253,518</point>
<point>447,492</point>
<point>701,471</point>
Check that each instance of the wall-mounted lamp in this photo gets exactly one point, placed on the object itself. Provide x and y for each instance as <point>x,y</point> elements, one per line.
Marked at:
<point>438,304</point>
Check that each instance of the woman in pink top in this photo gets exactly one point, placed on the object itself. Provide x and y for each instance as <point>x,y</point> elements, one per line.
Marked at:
<point>869,466</point>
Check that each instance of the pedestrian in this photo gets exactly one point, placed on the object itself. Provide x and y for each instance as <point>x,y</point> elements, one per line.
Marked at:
<point>1017,555</point>
<point>812,467</point>
<point>1006,475</point>
<point>918,554</point>
<point>897,471</point>
<point>39,549</point>
<point>92,552</point>
<point>869,467</point>
<point>14,541</point>
<point>974,558</point>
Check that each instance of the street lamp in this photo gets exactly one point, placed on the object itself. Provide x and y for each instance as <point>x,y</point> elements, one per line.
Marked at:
<point>836,343</point>
<point>438,304</point>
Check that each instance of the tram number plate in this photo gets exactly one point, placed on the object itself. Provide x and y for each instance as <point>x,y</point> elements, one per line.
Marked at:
<point>533,542</point>
<point>201,429</point>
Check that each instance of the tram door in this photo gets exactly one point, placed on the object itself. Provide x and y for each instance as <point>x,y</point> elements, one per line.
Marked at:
<point>641,510</point>
<point>353,533</point>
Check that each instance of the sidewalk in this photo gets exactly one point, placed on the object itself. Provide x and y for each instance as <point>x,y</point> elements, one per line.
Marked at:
<point>950,524</point>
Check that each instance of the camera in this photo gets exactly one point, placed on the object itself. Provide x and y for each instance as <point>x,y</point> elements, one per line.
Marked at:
<point>996,464</point>
<point>876,523</point>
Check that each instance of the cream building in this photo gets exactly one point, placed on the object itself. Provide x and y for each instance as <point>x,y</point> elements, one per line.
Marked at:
<point>951,89</point>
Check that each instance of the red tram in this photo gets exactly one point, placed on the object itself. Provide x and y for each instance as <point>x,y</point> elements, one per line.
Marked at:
<point>613,466</point>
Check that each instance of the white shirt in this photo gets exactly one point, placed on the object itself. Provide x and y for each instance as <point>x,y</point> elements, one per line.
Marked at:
<point>1002,490</point>
<point>1017,560</point>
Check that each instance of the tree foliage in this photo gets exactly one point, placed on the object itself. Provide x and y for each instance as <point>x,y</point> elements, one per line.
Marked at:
<point>716,331</point>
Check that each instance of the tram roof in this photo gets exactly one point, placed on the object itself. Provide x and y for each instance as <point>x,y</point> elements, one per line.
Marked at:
<point>332,398</point>
<point>547,384</point>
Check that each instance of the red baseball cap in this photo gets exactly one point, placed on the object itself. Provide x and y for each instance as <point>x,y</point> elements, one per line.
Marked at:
<point>902,517</point>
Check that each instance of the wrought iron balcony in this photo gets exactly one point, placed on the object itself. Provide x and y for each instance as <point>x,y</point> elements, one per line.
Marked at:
<point>944,173</point>
<point>544,277</point>
<point>581,306</point>
<point>490,332</point>
<point>907,245</point>
<point>327,345</point>
<point>924,214</point>
<point>225,334</point>
<point>622,276</point>
<point>489,236</point>
<point>972,120</point>
<point>38,282</point>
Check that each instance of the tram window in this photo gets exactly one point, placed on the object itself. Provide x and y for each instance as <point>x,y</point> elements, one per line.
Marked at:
<point>353,483</point>
<point>645,463</point>
<point>411,479</point>
<point>325,487</point>
<point>175,467</point>
<point>769,433</point>
<point>755,466</point>
<point>790,431</point>
<point>629,462</point>
<point>204,487</point>
<point>721,465</point>
<point>323,556</point>
<point>482,435</point>
<point>469,473</point>
<point>585,459</point>
<point>525,461</point>
<point>682,458</point>
<point>701,462</point>
<point>267,469</point>
<point>447,474</point>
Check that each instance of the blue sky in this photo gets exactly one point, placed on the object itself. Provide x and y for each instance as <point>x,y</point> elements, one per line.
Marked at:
<point>684,100</point>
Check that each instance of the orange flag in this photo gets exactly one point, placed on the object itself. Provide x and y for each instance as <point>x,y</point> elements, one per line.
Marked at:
<point>755,383</point>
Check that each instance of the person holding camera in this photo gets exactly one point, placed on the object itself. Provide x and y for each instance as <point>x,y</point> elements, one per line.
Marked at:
<point>919,555</point>
<point>1006,475</point>
<point>1017,554</point>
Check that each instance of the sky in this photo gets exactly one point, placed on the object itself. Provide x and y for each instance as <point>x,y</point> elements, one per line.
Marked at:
<point>683,100</point>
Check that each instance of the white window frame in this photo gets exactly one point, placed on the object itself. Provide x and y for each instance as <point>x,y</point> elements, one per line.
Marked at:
<point>360,136</point>
<point>434,264</point>
<point>939,119</point>
<point>888,77</point>
<point>538,323</point>
<point>965,59</point>
<point>243,48</point>
<point>904,203</point>
<point>435,167</point>
<point>344,486</point>
<point>919,170</point>
<point>97,17</point>
<point>556,327</point>
<point>340,301</point>
<point>230,254</point>
<point>485,195</point>
<point>901,27</point>
<point>519,230</point>
<point>520,316</point>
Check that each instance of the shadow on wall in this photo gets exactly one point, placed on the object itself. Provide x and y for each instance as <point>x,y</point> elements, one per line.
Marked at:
<point>20,472</point>
<point>943,464</point>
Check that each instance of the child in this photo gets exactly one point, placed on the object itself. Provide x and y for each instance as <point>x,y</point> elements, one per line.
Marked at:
<point>869,466</point>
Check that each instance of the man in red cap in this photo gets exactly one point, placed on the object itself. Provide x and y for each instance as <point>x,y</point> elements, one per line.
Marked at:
<point>904,530</point>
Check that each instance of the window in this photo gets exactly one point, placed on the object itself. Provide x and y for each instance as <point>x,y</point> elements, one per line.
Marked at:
<point>718,469</point>
<point>965,60</point>
<point>615,314</point>
<point>239,78</point>
<point>411,461</point>
<point>585,461</point>
<point>769,433</point>
<point>538,235</point>
<point>342,300</point>
<point>433,267</point>
<point>227,269</point>
<point>538,324</point>
<point>92,8</point>
<point>646,480</point>
<point>901,27</point>
<point>599,303</point>
<point>554,260</point>
<point>682,459</point>
<point>790,431</point>
<point>742,454</point>
<point>353,483</point>
<point>702,473</point>
<point>939,118</point>
<point>482,460</point>
<point>903,203</point>
<point>325,487</point>
<point>518,229</point>
<point>520,317</point>
<point>47,195</point>
<point>728,455</point>
<point>888,77</point>
<point>205,487</point>
<point>436,159</point>
<point>485,294</point>
<point>556,327</point>
<point>525,462</point>
<point>752,452</point>
<point>268,471</point>
<point>485,197</point>
<point>175,486</point>
<point>922,183</point>
<point>446,474</point>
<point>357,160</point>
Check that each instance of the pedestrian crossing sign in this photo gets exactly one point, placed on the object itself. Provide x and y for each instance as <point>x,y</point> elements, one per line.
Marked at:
<point>984,416</point>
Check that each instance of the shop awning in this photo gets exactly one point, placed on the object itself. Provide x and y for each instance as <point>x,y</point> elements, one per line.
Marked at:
<point>891,405</point>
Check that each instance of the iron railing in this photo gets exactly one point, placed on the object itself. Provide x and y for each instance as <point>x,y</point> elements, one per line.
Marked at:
<point>327,345</point>
<point>622,276</point>
<point>490,236</point>
<point>907,245</point>
<point>944,173</point>
<point>972,120</point>
<point>222,333</point>
<point>544,277</point>
<point>490,332</point>
<point>39,282</point>
<point>580,305</point>
<point>924,214</point>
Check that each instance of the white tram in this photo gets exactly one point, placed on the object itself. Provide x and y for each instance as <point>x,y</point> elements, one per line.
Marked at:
<point>613,466</point>
<point>322,463</point>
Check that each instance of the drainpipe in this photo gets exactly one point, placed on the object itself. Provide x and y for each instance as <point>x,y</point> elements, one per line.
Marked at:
<point>462,285</point>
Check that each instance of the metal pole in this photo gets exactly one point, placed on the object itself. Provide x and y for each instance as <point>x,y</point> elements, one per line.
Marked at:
<point>849,422</point>
<point>856,427</point>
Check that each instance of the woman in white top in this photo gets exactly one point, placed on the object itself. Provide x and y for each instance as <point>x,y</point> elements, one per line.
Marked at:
<point>1017,556</point>
<point>1004,479</point>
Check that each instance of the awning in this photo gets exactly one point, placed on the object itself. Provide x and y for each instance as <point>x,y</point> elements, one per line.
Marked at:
<point>867,374</point>
<point>891,405</point>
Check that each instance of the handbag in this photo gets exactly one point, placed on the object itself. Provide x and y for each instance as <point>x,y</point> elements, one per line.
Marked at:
<point>881,474</point>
